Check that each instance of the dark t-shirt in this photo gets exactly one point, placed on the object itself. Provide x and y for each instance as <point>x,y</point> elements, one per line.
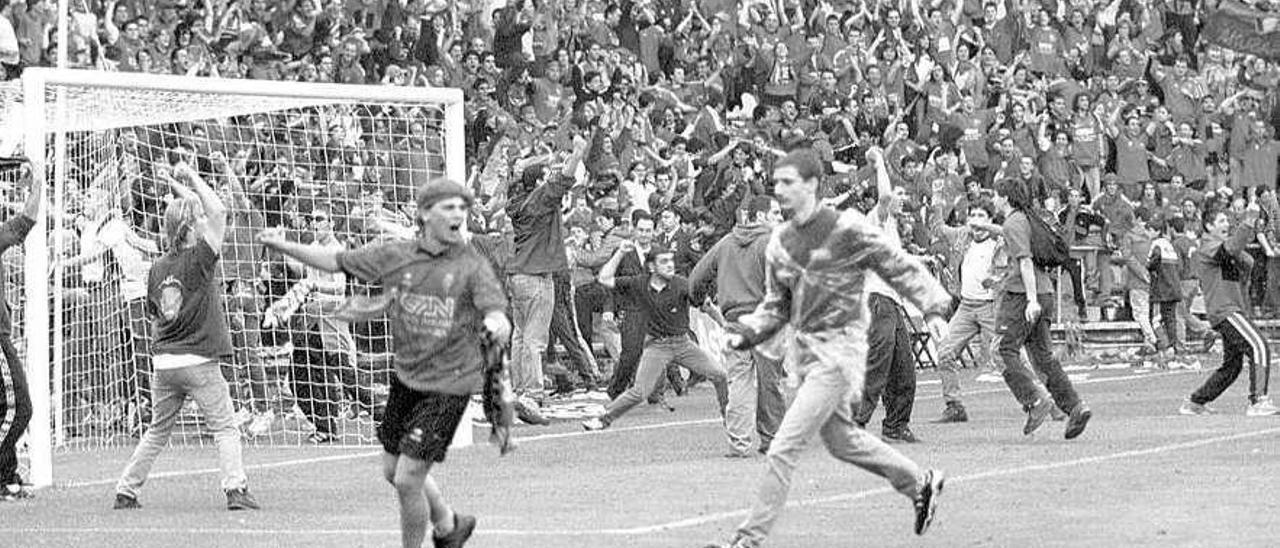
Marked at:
<point>184,300</point>
<point>437,312</point>
<point>1017,239</point>
<point>668,310</point>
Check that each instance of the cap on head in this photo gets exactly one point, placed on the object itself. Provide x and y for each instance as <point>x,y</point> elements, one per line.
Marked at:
<point>441,189</point>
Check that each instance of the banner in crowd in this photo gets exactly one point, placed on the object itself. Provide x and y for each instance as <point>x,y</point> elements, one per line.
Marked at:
<point>1237,26</point>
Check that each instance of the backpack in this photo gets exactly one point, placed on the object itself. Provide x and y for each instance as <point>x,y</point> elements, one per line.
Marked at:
<point>1048,249</point>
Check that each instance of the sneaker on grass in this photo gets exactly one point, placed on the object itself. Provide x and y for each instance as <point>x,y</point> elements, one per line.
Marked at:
<point>240,499</point>
<point>126,502</point>
<point>927,500</point>
<point>990,377</point>
<point>1264,407</point>
<point>1192,408</point>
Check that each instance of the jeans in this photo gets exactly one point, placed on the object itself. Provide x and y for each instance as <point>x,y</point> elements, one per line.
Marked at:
<point>755,399</point>
<point>1016,333</point>
<point>1239,338</point>
<point>205,384</point>
<point>973,318</point>
<point>822,406</point>
<point>891,372</point>
<point>658,353</point>
<point>532,303</point>
<point>1140,302</point>
<point>15,410</point>
<point>633,324</point>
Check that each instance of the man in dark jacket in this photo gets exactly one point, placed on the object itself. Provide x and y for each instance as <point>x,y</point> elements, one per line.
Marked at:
<point>538,224</point>
<point>736,265</point>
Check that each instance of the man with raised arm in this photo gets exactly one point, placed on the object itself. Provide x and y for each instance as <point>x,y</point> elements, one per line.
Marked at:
<point>818,261</point>
<point>443,298</point>
<point>190,338</point>
<point>15,401</point>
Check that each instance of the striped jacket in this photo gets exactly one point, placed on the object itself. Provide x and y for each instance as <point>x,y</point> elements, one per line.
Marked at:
<point>822,302</point>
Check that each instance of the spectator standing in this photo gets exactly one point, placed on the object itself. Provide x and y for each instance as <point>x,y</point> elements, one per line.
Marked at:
<point>534,209</point>
<point>735,267</point>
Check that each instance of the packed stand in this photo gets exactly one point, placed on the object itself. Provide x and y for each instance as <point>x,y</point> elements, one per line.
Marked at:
<point>1124,121</point>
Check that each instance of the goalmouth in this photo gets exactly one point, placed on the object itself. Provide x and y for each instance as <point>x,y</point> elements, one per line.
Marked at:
<point>95,133</point>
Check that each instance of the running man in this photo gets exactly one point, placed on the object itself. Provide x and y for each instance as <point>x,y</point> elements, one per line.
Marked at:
<point>190,334</point>
<point>663,298</point>
<point>818,261</point>
<point>446,297</point>
<point>1220,258</point>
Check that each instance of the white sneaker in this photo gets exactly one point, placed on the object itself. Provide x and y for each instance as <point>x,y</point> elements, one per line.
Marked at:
<point>594,424</point>
<point>1263,408</point>
<point>990,377</point>
<point>262,423</point>
<point>1191,408</point>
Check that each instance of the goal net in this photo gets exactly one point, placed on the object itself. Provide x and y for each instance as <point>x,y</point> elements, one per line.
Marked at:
<point>335,165</point>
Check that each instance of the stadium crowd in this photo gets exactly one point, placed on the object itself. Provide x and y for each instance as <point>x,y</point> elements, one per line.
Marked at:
<point>1124,120</point>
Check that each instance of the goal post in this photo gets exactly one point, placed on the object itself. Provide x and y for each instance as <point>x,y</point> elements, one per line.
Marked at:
<point>103,141</point>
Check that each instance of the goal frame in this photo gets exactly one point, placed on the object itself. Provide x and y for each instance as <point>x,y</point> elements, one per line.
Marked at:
<point>39,136</point>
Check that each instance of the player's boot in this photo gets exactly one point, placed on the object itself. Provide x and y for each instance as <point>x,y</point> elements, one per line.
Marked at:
<point>126,502</point>
<point>927,500</point>
<point>240,499</point>
<point>463,526</point>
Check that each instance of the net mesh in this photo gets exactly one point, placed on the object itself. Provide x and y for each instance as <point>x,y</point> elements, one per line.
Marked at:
<point>337,173</point>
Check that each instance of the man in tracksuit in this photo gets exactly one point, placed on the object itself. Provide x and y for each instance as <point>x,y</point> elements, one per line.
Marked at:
<point>1222,272</point>
<point>15,401</point>
<point>736,265</point>
<point>817,264</point>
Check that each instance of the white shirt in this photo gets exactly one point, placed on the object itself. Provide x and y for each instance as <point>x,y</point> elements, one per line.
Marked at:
<point>888,225</point>
<point>112,233</point>
<point>9,52</point>
<point>976,267</point>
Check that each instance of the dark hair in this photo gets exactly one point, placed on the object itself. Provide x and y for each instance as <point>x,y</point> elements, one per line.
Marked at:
<point>1178,224</point>
<point>1158,224</point>
<point>1142,214</point>
<point>640,215</point>
<point>985,205</point>
<point>1014,190</point>
<point>757,205</point>
<point>652,256</point>
<point>1209,216</point>
<point>805,160</point>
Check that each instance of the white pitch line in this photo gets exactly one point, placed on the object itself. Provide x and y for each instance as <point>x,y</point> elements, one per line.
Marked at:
<point>678,524</point>
<point>547,437</point>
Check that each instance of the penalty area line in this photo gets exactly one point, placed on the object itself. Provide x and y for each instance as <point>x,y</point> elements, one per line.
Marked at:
<point>549,437</point>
